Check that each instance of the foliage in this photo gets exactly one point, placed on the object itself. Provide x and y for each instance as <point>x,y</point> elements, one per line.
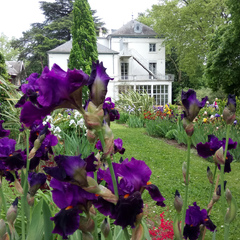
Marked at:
<point>222,69</point>
<point>165,161</point>
<point>8,99</point>
<point>41,37</point>
<point>8,52</point>
<point>135,122</point>
<point>197,19</point>
<point>134,102</point>
<point>123,117</point>
<point>3,70</point>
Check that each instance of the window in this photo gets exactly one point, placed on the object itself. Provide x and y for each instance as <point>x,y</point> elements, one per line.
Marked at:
<point>160,93</point>
<point>152,47</point>
<point>125,88</point>
<point>153,69</point>
<point>144,89</point>
<point>124,70</point>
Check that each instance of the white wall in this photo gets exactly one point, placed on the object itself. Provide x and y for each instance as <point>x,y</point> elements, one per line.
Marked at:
<point>60,59</point>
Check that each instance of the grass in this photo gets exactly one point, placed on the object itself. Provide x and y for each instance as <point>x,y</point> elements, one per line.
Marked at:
<point>165,161</point>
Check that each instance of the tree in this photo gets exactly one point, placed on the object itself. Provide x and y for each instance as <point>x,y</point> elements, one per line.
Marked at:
<point>55,30</point>
<point>3,69</point>
<point>84,41</point>
<point>223,59</point>
<point>186,25</point>
<point>8,52</point>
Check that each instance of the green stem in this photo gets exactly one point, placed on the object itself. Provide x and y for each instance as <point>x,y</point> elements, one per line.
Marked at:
<point>3,200</point>
<point>226,231</point>
<point>211,189</point>
<point>100,134</point>
<point>126,234</point>
<point>187,182</point>
<point>24,197</point>
<point>222,172</point>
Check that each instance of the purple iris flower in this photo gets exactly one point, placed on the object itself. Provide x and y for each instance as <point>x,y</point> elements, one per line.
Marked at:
<point>72,169</point>
<point>98,83</point>
<point>66,221</point>
<point>127,209</point>
<point>11,159</point>
<point>69,169</point>
<point>3,132</point>
<point>36,180</point>
<point>118,146</point>
<point>39,130</point>
<point>72,200</point>
<point>108,104</point>
<point>217,115</point>
<point>110,112</point>
<point>53,89</point>
<point>191,104</point>
<point>194,218</point>
<point>133,177</point>
<point>209,148</point>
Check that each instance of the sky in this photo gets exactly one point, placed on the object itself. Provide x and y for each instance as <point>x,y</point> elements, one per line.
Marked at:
<point>17,15</point>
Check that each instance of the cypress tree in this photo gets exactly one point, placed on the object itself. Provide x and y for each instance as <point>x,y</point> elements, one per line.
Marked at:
<point>84,40</point>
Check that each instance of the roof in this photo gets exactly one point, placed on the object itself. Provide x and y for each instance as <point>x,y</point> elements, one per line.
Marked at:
<point>67,46</point>
<point>14,67</point>
<point>134,29</point>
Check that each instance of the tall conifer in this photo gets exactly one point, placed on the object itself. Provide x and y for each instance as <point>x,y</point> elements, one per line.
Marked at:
<point>84,40</point>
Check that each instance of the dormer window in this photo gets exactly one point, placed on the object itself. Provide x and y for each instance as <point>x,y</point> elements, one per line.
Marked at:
<point>138,28</point>
<point>152,47</point>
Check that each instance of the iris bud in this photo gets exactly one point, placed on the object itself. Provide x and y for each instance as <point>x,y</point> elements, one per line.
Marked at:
<point>87,236</point>
<point>3,228</point>
<point>12,212</point>
<point>91,136</point>
<point>30,200</point>
<point>138,233</point>
<point>105,227</point>
<point>209,175</point>
<point>94,116</point>
<point>219,156</point>
<point>229,112</point>
<point>86,224</point>
<point>232,210</point>
<point>38,141</point>
<point>178,202</point>
<point>18,186</point>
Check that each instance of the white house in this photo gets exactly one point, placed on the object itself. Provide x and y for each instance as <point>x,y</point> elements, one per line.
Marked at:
<point>134,56</point>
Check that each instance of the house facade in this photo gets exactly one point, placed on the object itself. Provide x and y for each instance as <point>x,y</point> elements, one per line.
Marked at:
<point>134,56</point>
<point>16,71</point>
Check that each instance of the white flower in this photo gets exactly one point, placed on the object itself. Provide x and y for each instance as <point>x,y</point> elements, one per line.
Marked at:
<point>72,122</point>
<point>57,130</point>
<point>51,127</point>
<point>211,117</point>
<point>81,123</point>
<point>77,114</point>
<point>49,118</point>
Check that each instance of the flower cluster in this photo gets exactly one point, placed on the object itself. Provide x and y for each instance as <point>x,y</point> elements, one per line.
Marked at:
<point>163,231</point>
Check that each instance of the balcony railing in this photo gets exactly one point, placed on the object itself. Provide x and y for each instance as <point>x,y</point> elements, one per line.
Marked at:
<point>167,77</point>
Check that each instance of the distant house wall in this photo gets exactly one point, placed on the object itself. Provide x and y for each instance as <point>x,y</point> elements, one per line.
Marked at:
<point>60,59</point>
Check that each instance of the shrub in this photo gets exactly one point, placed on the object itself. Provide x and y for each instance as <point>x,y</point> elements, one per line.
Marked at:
<point>135,103</point>
<point>123,118</point>
<point>135,122</point>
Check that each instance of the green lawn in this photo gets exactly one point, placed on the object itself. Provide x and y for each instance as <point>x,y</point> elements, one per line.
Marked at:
<point>165,162</point>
